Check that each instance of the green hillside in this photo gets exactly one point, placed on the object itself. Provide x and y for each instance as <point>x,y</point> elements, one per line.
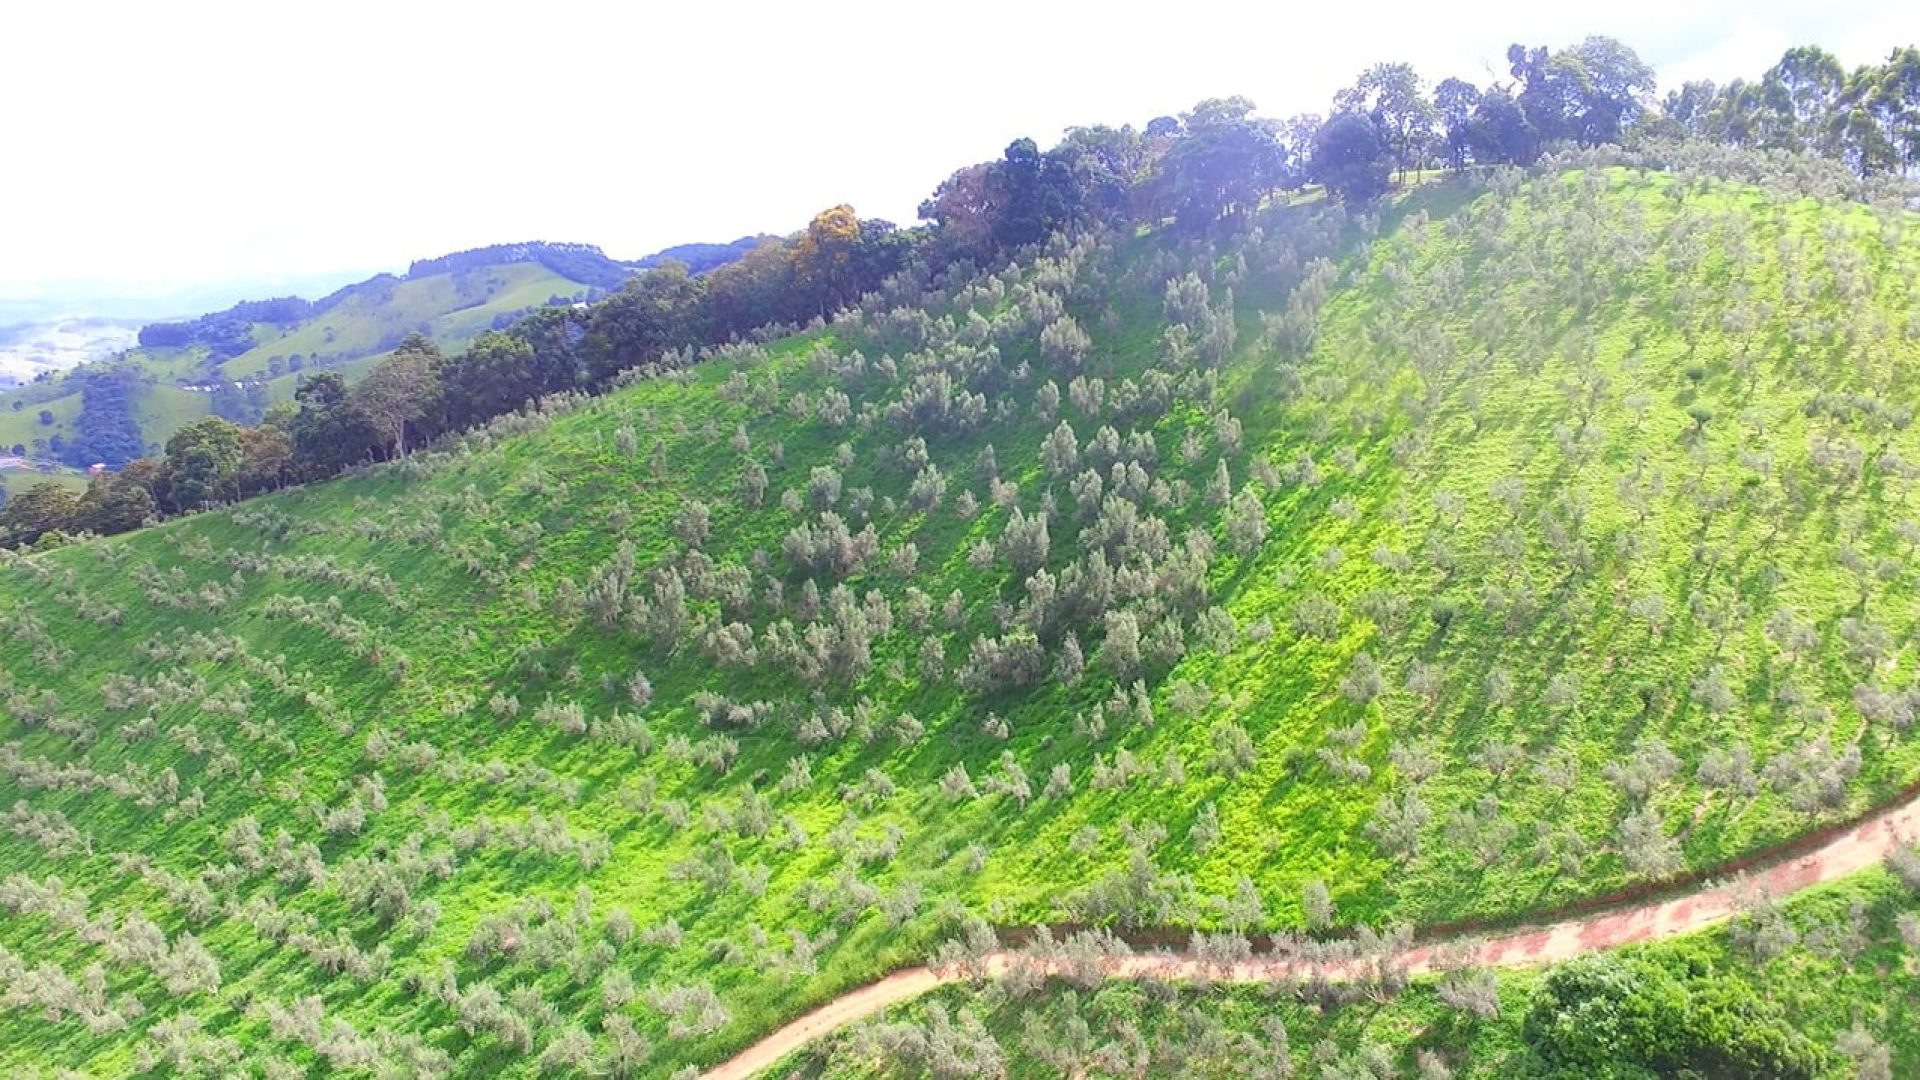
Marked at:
<point>1518,545</point>
<point>20,479</point>
<point>24,424</point>
<point>451,308</point>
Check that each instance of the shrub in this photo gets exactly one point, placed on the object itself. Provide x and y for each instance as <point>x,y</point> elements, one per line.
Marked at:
<point>1904,863</point>
<point>1475,992</point>
<point>1605,1015</point>
<point>1317,903</point>
<point>1064,342</point>
<point>1363,681</point>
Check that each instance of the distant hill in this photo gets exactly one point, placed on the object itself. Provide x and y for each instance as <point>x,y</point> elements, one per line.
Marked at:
<point>235,331</point>
<point>238,361</point>
<point>577,262</point>
<point>700,258</point>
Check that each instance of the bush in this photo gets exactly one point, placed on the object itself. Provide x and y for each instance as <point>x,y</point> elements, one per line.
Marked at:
<point>1605,1015</point>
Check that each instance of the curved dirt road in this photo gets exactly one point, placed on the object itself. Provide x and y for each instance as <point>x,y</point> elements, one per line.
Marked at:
<point>1846,852</point>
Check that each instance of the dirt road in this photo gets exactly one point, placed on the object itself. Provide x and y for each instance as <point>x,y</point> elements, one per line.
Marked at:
<point>1840,854</point>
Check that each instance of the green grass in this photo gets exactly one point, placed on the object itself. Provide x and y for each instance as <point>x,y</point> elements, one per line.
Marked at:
<point>23,426</point>
<point>168,408</point>
<point>1464,345</point>
<point>158,408</point>
<point>283,388</point>
<point>19,480</point>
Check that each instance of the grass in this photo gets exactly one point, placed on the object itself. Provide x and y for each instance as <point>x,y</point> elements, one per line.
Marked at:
<point>21,427</point>
<point>1532,354</point>
<point>19,480</point>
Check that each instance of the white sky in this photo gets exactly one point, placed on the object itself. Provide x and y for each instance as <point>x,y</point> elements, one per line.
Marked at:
<point>151,146</point>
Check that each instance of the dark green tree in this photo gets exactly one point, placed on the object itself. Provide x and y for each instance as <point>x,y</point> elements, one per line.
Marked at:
<point>1500,133</point>
<point>1109,164</point>
<point>1039,195</point>
<point>1879,115</point>
<point>108,432</point>
<point>401,395</point>
<point>114,503</point>
<point>1391,95</point>
<point>497,374</point>
<point>1608,1016</point>
<point>328,433</point>
<point>1801,97</point>
<point>987,210</point>
<point>1589,94</point>
<point>1224,162</point>
<point>203,463</point>
<point>1689,109</point>
<point>650,315</point>
<point>41,509</point>
<point>1454,101</point>
<point>1351,158</point>
<point>1734,116</point>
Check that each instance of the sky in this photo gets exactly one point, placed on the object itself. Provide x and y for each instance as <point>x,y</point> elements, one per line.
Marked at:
<point>166,152</point>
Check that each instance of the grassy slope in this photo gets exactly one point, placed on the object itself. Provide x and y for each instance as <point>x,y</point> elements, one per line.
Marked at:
<point>1722,544</point>
<point>19,480</point>
<point>445,567</point>
<point>284,387</point>
<point>454,307</point>
<point>24,426</point>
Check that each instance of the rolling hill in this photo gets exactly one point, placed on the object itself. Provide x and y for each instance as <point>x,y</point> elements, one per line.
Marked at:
<point>236,363</point>
<point>1531,540</point>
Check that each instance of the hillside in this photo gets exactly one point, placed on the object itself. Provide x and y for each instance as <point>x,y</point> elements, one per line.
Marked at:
<point>237,362</point>
<point>1522,544</point>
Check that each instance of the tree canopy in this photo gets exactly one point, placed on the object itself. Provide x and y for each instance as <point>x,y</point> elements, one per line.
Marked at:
<point>1351,158</point>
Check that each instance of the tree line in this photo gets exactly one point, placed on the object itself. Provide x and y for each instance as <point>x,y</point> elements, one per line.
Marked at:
<point>1204,171</point>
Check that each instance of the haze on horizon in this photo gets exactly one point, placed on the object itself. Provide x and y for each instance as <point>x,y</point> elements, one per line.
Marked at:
<point>168,156</point>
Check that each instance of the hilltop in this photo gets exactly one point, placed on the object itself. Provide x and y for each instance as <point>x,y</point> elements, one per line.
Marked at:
<point>699,258</point>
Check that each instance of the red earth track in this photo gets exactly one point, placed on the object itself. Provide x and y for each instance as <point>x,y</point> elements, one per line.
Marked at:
<point>1835,855</point>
